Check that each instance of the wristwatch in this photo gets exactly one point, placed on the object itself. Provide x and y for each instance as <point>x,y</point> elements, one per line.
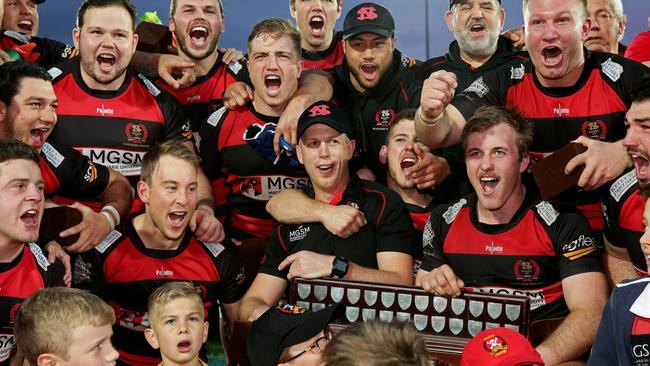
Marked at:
<point>339,267</point>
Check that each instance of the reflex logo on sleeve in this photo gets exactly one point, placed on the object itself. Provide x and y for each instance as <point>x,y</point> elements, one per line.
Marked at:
<point>580,247</point>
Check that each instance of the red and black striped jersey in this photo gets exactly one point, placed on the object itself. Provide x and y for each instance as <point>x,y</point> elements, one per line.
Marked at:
<point>530,256</point>
<point>327,59</point>
<point>594,107</point>
<point>41,51</point>
<point>236,147</point>
<point>114,128</point>
<point>204,97</point>
<point>623,210</point>
<point>26,274</point>
<point>123,272</point>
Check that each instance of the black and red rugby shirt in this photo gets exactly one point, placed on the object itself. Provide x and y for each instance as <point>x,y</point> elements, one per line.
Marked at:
<point>123,272</point>
<point>236,147</point>
<point>623,210</point>
<point>26,274</point>
<point>327,59</point>
<point>530,256</point>
<point>41,51</point>
<point>388,229</point>
<point>594,107</point>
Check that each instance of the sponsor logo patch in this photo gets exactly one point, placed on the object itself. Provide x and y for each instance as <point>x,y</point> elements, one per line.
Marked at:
<point>108,241</point>
<point>623,184</point>
<point>215,117</point>
<point>517,73</point>
<point>152,88</point>
<point>547,212</point>
<point>612,69</point>
<point>580,247</point>
<point>478,87</point>
<point>452,211</point>
<point>39,256</point>
<point>52,155</point>
<point>299,234</point>
<point>126,162</point>
<point>55,72</point>
<point>495,345</point>
<point>215,248</point>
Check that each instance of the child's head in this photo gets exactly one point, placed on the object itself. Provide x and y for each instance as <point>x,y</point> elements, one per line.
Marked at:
<point>177,321</point>
<point>65,326</point>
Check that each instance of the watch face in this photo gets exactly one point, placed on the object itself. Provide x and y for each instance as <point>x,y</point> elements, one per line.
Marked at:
<point>339,267</point>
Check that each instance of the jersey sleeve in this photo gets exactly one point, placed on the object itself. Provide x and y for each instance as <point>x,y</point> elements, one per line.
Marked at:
<point>88,273</point>
<point>78,176</point>
<point>230,267</point>
<point>489,89</point>
<point>432,242</point>
<point>394,231</point>
<point>623,75</point>
<point>54,52</point>
<point>611,212</point>
<point>177,123</point>
<point>576,247</point>
<point>54,275</point>
<point>276,251</point>
<point>208,143</point>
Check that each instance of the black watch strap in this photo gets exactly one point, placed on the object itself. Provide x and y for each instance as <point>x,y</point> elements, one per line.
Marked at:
<point>340,267</point>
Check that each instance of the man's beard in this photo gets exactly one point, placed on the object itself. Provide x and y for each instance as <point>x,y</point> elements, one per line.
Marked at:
<point>482,47</point>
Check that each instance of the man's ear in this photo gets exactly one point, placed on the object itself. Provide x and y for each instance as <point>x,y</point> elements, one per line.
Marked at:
<point>75,37</point>
<point>3,112</point>
<point>448,18</point>
<point>383,154</point>
<point>351,147</point>
<point>299,153</point>
<point>150,335</point>
<point>46,359</point>
<point>205,331</point>
<point>143,191</point>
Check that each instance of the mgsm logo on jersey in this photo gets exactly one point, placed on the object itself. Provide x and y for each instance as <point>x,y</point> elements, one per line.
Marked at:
<point>126,162</point>
<point>299,234</point>
<point>264,187</point>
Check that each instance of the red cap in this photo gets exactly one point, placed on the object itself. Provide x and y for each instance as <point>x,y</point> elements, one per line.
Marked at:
<point>499,347</point>
<point>639,49</point>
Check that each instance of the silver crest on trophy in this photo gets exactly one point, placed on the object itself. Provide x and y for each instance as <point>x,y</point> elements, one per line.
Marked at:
<point>474,327</point>
<point>404,300</point>
<point>476,308</point>
<point>513,312</point>
<point>420,321</point>
<point>304,304</point>
<point>494,309</point>
<point>403,316</point>
<point>337,293</point>
<point>304,290</point>
<point>438,323</point>
<point>370,297</point>
<point>385,315</point>
<point>457,306</point>
<point>317,306</point>
<point>440,303</point>
<point>456,325</point>
<point>320,292</point>
<point>351,313</point>
<point>353,295</point>
<point>387,299</point>
<point>368,314</point>
<point>512,326</point>
<point>489,325</point>
<point>421,302</point>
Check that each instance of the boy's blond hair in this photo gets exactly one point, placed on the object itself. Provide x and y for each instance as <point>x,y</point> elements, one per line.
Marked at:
<point>46,320</point>
<point>168,292</point>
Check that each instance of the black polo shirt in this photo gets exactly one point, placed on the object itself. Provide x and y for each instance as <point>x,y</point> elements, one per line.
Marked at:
<point>388,229</point>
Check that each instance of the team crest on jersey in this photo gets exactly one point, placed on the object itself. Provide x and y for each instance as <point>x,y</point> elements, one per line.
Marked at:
<point>517,73</point>
<point>264,187</point>
<point>612,69</point>
<point>235,67</point>
<point>495,345</point>
<point>136,133</point>
<point>527,270</point>
<point>384,118</point>
<point>251,187</point>
<point>595,130</point>
<point>478,87</point>
<point>134,320</point>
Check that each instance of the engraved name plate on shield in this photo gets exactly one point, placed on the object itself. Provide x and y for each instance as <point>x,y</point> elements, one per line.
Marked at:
<point>494,309</point>
<point>476,308</point>
<point>440,303</point>
<point>368,314</point>
<point>353,295</point>
<point>304,290</point>
<point>352,314</point>
<point>403,316</point>
<point>387,299</point>
<point>456,325</point>
<point>420,321</point>
<point>370,297</point>
<point>337,293</point>
<point>421,302</point>
<point>474,327</point>
<point>320,292</point>
<point>513,312</point>
<point>457,306</point>
<point>438,323</point>
<point>404,300</point>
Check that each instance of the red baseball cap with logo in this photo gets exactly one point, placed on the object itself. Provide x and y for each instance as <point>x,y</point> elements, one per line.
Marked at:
<point>499,347</point>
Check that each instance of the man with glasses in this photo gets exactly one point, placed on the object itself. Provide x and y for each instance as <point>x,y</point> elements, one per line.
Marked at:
<point>288,333</point>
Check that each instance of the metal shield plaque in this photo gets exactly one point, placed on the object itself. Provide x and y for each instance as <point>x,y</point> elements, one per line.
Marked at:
<point>404,301</point>
<point>513,312</point>
<point>457,306</point>
<point>474,327</point>
<point>385,316</point>
<point>303,290</point>
<point>387,299</point>
<point>440,303</point>
<point>421,302</point>
<point>476,308</point>
<point>352,314</point>
<point>304,304</point>
<point>489,325</point>
<point>456,325</point>
<point>337,293</point>
<point>320,292</point>
<point>494,309</point>
<point>317,306</point>
<point>513,327</point>
<point>353,294</point>
<point>403,316</point>
<point>438,323</point>
<point>420,321</point>
<point>370,297</point>
<point>368,314</point>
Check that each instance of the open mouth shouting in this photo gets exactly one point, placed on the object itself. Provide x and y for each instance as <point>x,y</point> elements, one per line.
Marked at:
<point>477,29</point>
<point>325,169</point>
<point>552,56</point>
<point>106,61</point>
<point>317,25</point>
<point>177,219</point>
<point>272,82</point>
<point>30,219</point>
<point>640,165</point>
<point>26,26</point>
<point>408,162</point>
<point>369,71</point>
<point>38,136</point>
<point>199,35</point>
<point>184,346</point>
<point>489,184</point>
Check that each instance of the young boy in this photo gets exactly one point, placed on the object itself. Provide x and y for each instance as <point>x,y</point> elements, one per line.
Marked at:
<point>65,326</point>
<point>178,326</point>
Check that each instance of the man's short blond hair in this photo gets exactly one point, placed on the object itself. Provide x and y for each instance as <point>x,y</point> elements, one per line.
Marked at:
<point>174,148</point>
<point>168,292</point>
<point>46,321</point>
<point>276,28</point>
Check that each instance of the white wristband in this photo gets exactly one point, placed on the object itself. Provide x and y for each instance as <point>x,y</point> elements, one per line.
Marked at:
<point>431,122</point>
<point>113,211</point>
<point>109,217</point>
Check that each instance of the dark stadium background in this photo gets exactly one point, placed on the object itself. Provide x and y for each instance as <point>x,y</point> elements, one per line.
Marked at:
<point>58,18</point>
